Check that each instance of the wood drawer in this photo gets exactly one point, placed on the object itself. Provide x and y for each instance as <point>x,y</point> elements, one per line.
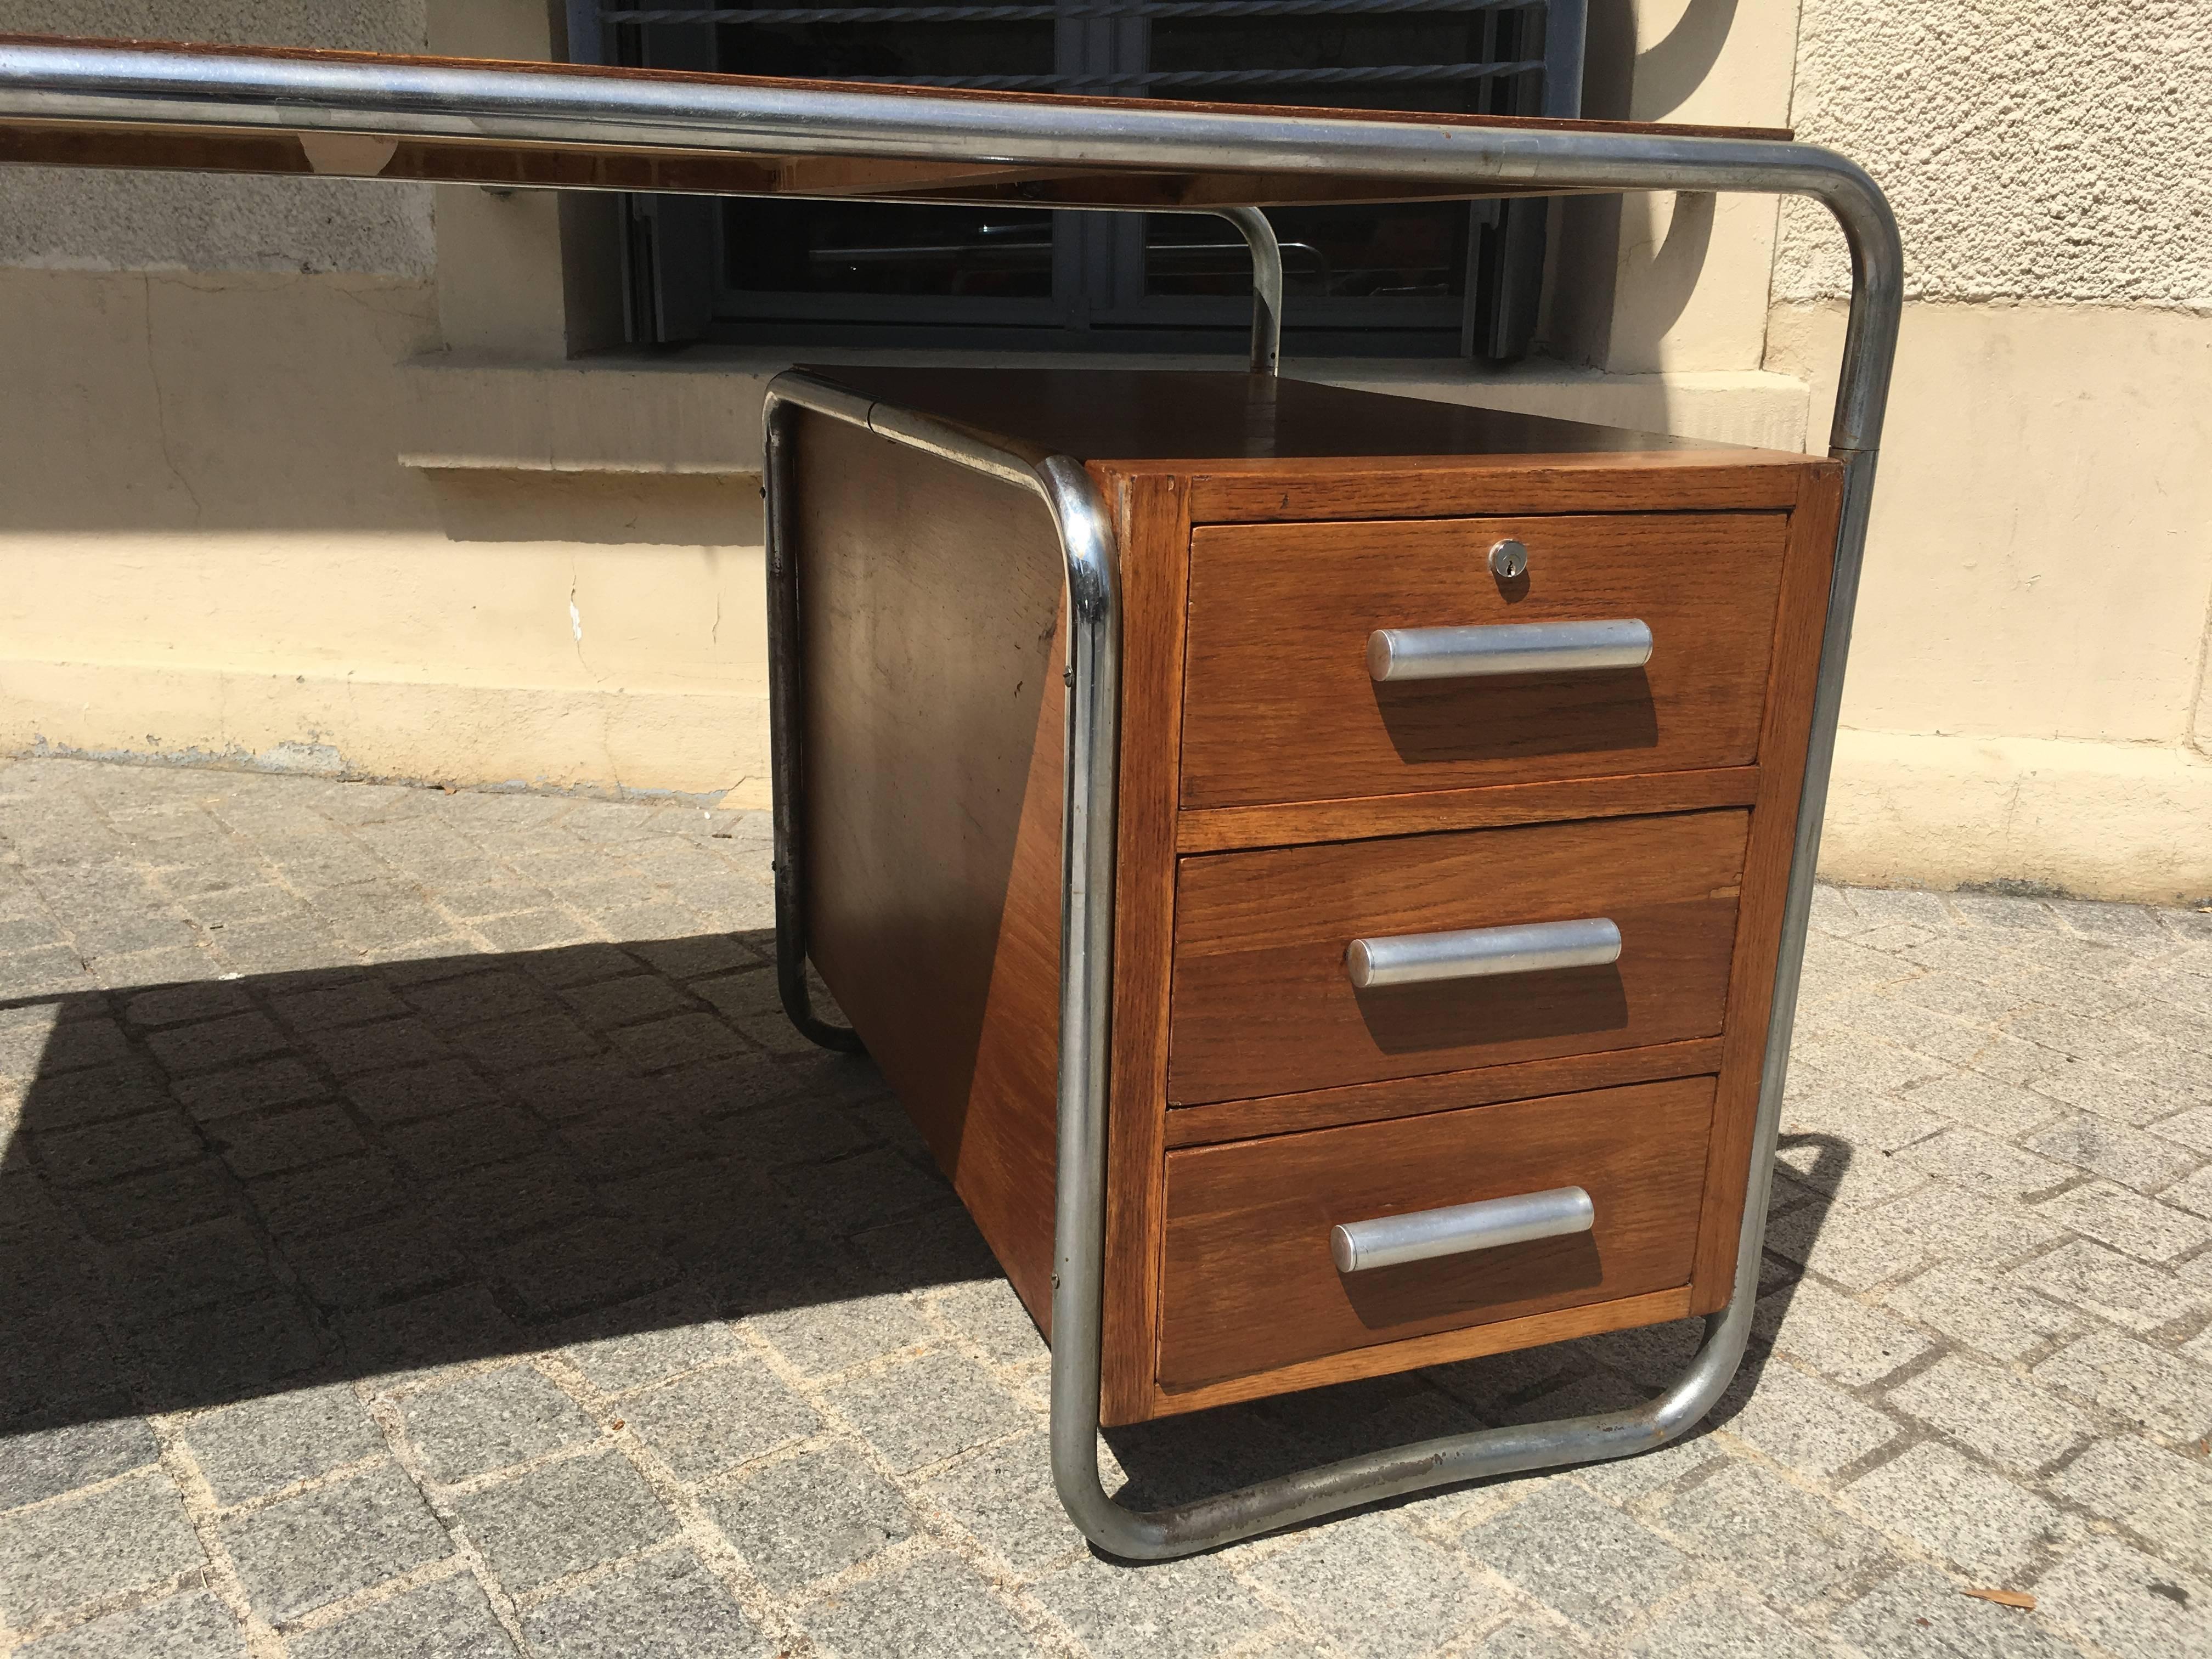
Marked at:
<point>1278,704</point>
<point>1261,1002</point>
<point>1249,1284</point>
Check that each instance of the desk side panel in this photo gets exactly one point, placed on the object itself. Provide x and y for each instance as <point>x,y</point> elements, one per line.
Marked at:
<point>931,612</point>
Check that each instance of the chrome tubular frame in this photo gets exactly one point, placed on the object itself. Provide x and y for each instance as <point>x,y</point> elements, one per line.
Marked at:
<point>110,86</point>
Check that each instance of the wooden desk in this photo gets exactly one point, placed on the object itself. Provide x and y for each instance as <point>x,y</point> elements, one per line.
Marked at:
<point>1277,802</point>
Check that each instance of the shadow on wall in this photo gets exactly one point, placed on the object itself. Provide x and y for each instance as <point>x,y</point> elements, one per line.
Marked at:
<point>220,1189</point>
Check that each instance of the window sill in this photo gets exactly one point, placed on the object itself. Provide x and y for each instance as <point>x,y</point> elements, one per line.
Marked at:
<point>698,412</point>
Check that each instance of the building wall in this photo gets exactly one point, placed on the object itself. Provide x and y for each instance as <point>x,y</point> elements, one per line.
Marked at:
<point>309,474</point>
<point>2028,698</point>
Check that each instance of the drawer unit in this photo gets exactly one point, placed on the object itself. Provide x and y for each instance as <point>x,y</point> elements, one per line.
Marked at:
<point>1381,947</point>
<point>1250,1280</point>
<point>1280,701</point>
<point>1263,1000</point>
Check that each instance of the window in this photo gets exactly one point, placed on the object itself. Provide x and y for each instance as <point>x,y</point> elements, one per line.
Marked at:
<point>1415,279</point>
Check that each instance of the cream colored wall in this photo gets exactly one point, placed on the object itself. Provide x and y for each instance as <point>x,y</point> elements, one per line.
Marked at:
<point>2028,697</point>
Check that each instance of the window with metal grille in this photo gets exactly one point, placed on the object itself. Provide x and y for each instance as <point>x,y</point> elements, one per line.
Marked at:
<point>1411,279</point>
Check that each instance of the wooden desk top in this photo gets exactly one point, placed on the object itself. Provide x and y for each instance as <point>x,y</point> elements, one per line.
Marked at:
<point>1221,419</point>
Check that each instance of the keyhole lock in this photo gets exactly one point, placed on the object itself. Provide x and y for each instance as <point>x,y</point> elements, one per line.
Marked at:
<point>1508,560</point>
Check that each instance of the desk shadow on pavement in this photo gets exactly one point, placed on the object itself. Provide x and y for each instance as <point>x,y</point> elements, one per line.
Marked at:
<point>218,1189</point>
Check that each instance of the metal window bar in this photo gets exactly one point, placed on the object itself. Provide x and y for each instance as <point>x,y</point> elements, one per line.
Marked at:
<point>1118,286</point>
<point>111,88</point>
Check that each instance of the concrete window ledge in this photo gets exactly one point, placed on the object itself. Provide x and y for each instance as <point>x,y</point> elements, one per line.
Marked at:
<point>698,411</point>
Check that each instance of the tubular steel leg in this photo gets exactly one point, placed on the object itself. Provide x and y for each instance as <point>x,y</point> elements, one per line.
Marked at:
<point>786,724</point>
<point>1092,736</point>
<point>1267,287</point>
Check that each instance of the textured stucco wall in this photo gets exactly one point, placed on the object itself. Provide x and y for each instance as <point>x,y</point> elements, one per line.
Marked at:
<point>55,219</point>
<point>2034,150</point>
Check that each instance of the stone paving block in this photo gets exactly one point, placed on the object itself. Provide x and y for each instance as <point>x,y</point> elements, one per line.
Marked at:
<point>108,1152</point>
<point>934,1604</point>
<point>713,1419</point>
<point>2114,1286</point>
<point>1997,1316</point>
<point>835,1333</point>
<point>332,1197</point>
<point>159,1201</point>
<point>590,1263</point>
<point>2006,1420</point>
<point>2144,1162</point>
<point>1624,1479</point>
<point>273,1143</point>
<point>350,1002</point>
<point>2128,1221</point>
<point>280,1082</point>
<point>46,1462</point>
<point>1004,1495</point>
<point>521,1044</point>
<point>498,1201</point>
<point>1196,1609</point>
<point>465,1140</point>
<point>2193,1195</point>
<point>223,1350</point>
<point>496,993</point>
<point>192,1626</point>
<point>81,1042</point>
<point>1525,1638</point>
<point>700,957</point>
<point>991,1315</point>
<point>669,1605</point>
<point>1842,1339</point>
<point>2127,1603</point>
<point>1984,1164</point>
<point>922,1411</point>
<point>261,1446</point>
<point>1719,1624</point>
<point>419,1091</point>
<point>81,1548</point>
<point>448,1620</point>
<point>564,1517</point>
<point>214,1261</point>
<point>2108,1093</point>
<point>302,1553</point>
<point>752,1001</point>
<point>613,1364</point>
<point>2161,1391</point>
<point>96,1095</point>
<point>2164,1497</point>
<point>803,1518</point>
<point>372,1265</point>
<point>532,930</point>
<point>1999,1107</point>
<point>626,1001</point>
<point>384,1046</point>
<point>487,1421</point>
<point>1960,1512</point>
<point>215,1044</point>
<point>1581,1557</point>
<point>2192,1128</point>
<point>1789,1544</point>
<point>683,1040</point>
<point>575,1088</point>
<point>1919,1614</point>
<point>867,1188</point>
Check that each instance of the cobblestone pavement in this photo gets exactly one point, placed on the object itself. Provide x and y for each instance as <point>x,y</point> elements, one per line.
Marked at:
<point>420,1234</point>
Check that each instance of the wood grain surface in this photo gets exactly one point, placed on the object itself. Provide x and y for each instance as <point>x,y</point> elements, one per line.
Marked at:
<point>1811,560</point>
<point>1248,1283</point>
<point>1446,1092</point>
<point>1280,705</point>
<point>1262,1004</point>
<point>929,602</point>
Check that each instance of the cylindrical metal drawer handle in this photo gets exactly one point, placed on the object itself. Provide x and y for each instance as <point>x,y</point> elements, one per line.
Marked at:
<point>1455,653</point>
<point>1426,1234</point>
<point>1480,953</point>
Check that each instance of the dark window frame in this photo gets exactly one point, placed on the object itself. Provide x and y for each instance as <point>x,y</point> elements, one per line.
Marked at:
<point>679,290</point>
